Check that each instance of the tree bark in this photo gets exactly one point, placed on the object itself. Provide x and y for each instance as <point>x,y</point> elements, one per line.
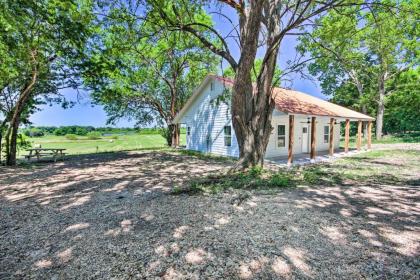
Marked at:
<point>251,107</point>
<point>12,132</point>
<point>381,107</point>
<point>175,135</point>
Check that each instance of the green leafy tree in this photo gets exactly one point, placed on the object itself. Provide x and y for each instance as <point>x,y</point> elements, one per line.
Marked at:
<point>140,72</point>
<point>363,49</point>
<point>403,103</point>
<point>391,36</point>
<point>40,41</point>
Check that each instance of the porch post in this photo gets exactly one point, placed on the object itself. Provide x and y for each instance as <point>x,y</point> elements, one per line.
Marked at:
<point>291,137</point>
<point>369,144</point>
<point>359,135</point>
<point>347,136</point>
<point>313,141</point>
<point>331,140</point>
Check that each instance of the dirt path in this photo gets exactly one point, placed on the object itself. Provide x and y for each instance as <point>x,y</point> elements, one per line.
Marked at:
<point>111,216</point>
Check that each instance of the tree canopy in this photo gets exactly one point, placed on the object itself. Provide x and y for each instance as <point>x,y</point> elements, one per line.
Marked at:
<point>365,49</point>
<point>144,73</point>
<point>41,43</point>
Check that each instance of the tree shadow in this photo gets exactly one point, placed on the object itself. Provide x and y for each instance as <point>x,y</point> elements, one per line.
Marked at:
<point>111,217</point>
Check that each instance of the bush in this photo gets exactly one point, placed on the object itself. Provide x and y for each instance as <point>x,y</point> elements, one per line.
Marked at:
<point>281,180</point>
<point>34,132</point>
<point>81,131</point>
<point>94,135</point>
<point>255,171</point>
<point>71,136</point>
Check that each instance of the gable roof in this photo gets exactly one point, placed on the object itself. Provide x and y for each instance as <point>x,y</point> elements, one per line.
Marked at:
<point>289,101</point>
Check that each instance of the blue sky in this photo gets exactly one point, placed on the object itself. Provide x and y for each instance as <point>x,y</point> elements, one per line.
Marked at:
<point>86,113</point>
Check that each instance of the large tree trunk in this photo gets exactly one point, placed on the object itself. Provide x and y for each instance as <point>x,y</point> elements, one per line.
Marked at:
<point>253,105</point>
<point>381,107</point>
<point>249,121</point>
<point>175,134</point>
<point>12,132</point>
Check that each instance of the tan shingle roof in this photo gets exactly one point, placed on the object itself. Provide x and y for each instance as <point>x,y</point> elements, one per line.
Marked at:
<point>295,102</point>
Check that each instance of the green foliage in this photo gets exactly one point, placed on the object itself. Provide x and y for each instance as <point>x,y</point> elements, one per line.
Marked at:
<point>33,132</point>
<point>354,49</point>
<point>229,73</point>
<point>140,71</point>
<point>403,103</point>
<point>71,137</point>
<point>74,129</point>
<point>94,135</point>
<point>281,180</point>
<point>41,47</point>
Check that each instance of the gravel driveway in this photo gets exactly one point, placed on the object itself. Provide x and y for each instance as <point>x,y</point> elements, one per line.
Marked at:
<point>111,216</point>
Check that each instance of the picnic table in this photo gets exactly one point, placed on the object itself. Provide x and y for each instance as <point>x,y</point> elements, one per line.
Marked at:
<point>41,152</point>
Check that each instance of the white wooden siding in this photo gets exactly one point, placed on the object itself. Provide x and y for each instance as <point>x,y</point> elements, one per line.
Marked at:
<point>208,119</point>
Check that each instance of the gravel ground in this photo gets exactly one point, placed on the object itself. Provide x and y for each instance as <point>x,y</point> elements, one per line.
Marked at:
<point>112,217</point>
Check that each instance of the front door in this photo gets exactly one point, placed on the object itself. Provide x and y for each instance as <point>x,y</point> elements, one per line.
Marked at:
<point>305,139</point>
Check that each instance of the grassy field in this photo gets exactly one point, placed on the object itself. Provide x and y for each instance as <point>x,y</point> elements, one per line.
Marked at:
<point>150,141</point>
<point>106,144</point>
<point>387,139</point>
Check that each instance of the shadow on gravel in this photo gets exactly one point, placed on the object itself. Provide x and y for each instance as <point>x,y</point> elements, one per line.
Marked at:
<point>109,217</point>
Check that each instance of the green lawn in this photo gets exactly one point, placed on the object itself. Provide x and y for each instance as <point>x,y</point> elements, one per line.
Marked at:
<point>106,144</point>
<point>387,139</point>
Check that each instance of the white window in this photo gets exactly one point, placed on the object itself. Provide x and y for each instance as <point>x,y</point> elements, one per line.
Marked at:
<point>228,135</point>
<point>326,134</point>
<point>212,86</point>
<point>281,136</point>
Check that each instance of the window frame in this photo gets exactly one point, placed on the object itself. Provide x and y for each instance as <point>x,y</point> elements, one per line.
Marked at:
<point>281,136</point>
<point>326,135</point>
<point>227,138</point>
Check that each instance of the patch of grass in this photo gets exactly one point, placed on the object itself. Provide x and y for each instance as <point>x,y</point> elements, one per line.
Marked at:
<point>387,139</point>
<point>82,145</point>
<point>413,137</point>
<point>370,168</point>
<point>255,178</point>
<point>320,175</point>
<point>204,156</point>
<point>71,136</point>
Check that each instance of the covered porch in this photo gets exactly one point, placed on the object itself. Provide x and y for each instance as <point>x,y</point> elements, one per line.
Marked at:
<point>332,152</point>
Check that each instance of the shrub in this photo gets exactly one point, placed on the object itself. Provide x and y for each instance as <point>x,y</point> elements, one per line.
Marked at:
<point>93,135</point>
<point>34,132</point>
<point>71,137</point>
<point>255,171</point>
<point>281,180</point>
<point>81,131</point>
<point>115,137</point>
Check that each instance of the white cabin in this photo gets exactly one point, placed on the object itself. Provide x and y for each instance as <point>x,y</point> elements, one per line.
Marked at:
<point>209,125</point>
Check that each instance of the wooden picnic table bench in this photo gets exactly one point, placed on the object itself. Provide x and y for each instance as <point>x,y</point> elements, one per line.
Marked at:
<point>41,152</point>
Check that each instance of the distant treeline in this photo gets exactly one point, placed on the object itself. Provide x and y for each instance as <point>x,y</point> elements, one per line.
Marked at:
<point>38,131</point>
